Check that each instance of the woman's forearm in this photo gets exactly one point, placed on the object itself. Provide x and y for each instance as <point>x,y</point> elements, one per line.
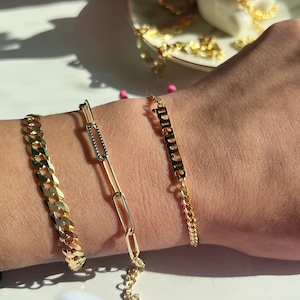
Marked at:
<point>238,134</point>
<point>140,163</point>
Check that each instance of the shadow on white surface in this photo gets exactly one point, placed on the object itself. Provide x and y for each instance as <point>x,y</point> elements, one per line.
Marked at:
<point>107,49</point>
<point>207,261</point>
<point>103,42</point>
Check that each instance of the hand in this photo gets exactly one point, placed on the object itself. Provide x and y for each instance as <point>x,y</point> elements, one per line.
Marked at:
<point>247,154</point>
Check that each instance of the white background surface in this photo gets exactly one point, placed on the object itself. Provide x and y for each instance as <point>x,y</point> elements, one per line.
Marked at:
<point>55,54</point>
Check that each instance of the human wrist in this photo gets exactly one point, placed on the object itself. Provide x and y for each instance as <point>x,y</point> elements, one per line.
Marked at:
<point>158,223</point>
<point>202,164</point>
<point>251,167</point>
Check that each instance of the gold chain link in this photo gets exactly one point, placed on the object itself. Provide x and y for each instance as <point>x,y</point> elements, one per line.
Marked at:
<point>119,201</point>
<point>177,166</point>
<point>257,14</point>
<point>130,279</point>
<point>53,196</point>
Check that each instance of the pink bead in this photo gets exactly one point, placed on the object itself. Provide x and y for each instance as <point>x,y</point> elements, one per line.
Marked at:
<point>172,88</point>
<point>123,94</point>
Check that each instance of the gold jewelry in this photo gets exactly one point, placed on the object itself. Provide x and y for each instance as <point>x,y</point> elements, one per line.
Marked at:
<point>158,64</point>
<point>257,16</point>
<point>53,196</point>
<point>177,166</point>
<point>119,201</point>
<point>239,44</point>
<point>206,47</point>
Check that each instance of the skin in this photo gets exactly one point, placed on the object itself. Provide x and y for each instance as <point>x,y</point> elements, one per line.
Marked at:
<point>238,134</point>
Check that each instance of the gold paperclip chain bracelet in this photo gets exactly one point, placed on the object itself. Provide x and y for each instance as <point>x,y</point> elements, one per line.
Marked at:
<point>177,166</point>
<point>53,196</point>
<point>119,201</point>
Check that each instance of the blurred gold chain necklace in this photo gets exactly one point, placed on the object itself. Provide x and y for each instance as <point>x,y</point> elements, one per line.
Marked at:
<point>205,47</point>
<point>257,15</point>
